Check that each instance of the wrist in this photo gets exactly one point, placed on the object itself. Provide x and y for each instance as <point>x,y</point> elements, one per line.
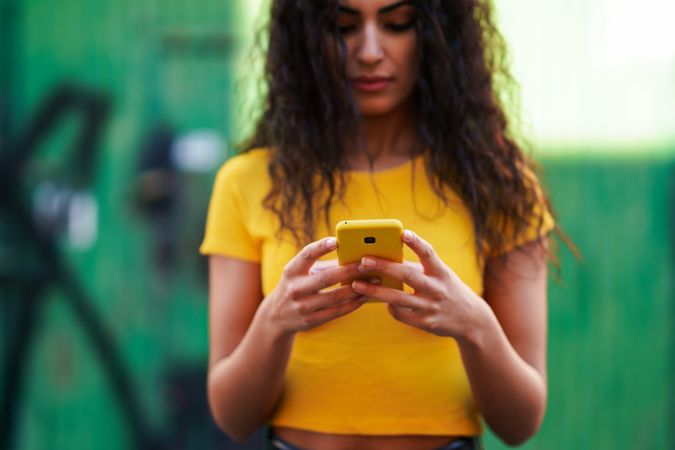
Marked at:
<point>266,319</point>
<point>480,325</point>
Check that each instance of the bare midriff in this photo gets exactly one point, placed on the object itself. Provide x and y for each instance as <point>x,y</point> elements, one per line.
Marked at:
<point>310,440</point>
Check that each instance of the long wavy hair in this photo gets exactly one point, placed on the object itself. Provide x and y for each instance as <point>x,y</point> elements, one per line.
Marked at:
<point>309,113</point>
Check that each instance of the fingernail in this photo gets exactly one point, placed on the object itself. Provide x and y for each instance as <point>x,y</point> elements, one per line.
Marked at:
<point>358,285</point>
<point>407,235</point>
<point>367,262</point>
<point>375,280</point>
<point>331,243</point>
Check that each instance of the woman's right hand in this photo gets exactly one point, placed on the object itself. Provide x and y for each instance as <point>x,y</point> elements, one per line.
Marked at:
<point>299,303</point>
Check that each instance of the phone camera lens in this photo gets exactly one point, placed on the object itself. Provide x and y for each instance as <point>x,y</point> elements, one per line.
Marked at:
<point>369,240</point>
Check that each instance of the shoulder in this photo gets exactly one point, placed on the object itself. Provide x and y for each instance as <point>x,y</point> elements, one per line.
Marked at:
<point>248,165</point>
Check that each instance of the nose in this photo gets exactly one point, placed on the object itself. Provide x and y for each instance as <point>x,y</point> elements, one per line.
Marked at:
<point>370,49</point>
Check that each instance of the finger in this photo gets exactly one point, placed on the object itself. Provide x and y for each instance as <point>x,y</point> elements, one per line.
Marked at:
<point>308,285</point>
<point>305,258</point>
<point>414,265</point>
<point>406,315</point>
<point>327,314</point>
<point>391,296</point>
<point>322,265</point>
<point>424,250</point>
<point>410,275</point>
<point>326,299</point>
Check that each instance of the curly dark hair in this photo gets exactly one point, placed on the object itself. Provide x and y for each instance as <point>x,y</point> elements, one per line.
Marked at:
<point>309,111</point>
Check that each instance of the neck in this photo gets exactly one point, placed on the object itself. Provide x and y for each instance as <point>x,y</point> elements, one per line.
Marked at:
<point>386,139</point>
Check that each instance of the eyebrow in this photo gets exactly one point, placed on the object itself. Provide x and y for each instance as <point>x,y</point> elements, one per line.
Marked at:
<point>385,9</point>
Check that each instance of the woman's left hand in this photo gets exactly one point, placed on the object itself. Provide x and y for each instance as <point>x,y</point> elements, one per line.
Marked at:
<point>442,303</point>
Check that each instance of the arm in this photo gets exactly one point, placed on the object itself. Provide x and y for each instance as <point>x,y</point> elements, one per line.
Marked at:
<point>505,355</point>
<point>250,341</point>
<point>502,339</point>
<point>247,360</point>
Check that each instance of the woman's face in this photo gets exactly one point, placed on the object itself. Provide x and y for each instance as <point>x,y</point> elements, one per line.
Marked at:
<point>381,42</point>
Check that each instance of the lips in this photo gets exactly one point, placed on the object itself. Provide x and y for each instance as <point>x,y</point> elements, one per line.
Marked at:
<point>374,83</point>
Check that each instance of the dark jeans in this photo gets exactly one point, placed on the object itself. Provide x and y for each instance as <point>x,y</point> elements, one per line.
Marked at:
<point>466,443</point>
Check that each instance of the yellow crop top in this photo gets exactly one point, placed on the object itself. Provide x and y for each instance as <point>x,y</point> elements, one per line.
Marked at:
<point>364,373</point>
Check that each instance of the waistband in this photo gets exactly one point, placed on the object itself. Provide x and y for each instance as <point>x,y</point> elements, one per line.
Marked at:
<point>463,443</point>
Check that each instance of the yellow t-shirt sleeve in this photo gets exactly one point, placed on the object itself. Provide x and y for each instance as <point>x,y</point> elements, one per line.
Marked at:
<point>539,224</point>
<point>227,233</point>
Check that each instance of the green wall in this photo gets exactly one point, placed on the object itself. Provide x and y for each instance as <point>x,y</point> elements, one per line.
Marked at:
<point>159,62</point>
<point>611,313</point>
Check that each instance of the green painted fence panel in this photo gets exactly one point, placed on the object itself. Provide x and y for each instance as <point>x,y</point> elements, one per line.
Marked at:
<point>611,314</point>
<point>167,62</point>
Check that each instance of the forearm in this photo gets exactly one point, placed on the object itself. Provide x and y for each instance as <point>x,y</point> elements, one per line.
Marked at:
<point>245,386</point>
<point>510,393</point>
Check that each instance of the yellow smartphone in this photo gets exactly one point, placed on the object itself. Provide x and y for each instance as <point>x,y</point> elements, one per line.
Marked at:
<point>374,237</point>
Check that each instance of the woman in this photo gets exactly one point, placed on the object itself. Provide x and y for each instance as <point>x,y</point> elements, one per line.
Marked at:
<point>379,109</point>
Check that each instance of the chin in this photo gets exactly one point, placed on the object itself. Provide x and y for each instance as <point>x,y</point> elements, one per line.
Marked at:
<point>376,107</point>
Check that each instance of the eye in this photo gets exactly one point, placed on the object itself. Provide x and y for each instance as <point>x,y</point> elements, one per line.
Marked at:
<point>346,29</point>
<point>401,27</point>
